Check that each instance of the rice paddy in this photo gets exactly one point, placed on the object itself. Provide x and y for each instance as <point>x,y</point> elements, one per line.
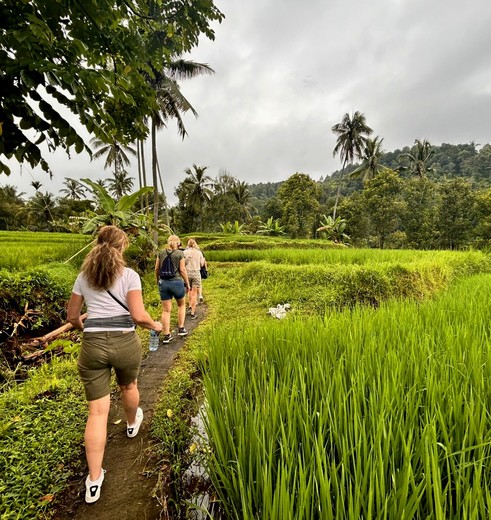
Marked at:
<point>363,413</point>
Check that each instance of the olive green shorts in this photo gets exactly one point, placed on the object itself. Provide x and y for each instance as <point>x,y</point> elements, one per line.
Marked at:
<point>102,351</point>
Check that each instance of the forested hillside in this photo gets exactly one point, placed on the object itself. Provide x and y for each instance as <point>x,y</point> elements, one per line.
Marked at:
<point>423,197</point>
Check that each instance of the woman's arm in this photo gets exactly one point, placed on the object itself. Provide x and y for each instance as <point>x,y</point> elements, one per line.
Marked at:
<point>138,313</point>
<point>184,273</point>
<point>157,268</point>
<point>73,311</point>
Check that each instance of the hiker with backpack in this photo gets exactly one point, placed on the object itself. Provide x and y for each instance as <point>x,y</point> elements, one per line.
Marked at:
<point>173,282</point>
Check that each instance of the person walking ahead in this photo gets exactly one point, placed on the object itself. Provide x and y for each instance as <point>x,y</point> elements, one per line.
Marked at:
<point>113,296</point>
<point>174,287</point>
<point>194,261</point>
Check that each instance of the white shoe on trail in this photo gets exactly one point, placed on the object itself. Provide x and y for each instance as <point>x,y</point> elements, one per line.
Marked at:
<point>132,431</point>
<point>93,488</point>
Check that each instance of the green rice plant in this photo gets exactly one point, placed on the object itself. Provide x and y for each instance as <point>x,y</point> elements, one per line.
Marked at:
<point>23,250</point>
<point>315,288</point>
<point>233,242</point>
<point>294,256</point>
<point>364,414</point>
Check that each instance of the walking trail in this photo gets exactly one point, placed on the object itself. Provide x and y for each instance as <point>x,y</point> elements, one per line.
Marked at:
<point>127,492</point>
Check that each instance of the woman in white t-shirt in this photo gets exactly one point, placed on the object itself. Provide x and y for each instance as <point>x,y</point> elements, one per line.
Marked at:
<point>112,294</point>
<point>194,260</point>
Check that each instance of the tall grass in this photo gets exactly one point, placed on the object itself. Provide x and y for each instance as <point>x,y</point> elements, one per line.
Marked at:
<point>365,414</point>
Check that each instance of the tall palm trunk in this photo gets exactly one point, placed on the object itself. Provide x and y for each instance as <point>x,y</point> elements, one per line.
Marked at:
<point>338,192</point>
<point>166,207</point>
<point>144,172</point>
<point>140,178</point>
<point>155,180</point>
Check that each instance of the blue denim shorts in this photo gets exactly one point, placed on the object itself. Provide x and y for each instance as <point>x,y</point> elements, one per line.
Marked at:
<point>171,288</point>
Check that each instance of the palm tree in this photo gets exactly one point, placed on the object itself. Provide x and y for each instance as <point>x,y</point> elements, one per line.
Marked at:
<point>419,157</point>
<point>371,157</point>
<point>42,206</point>
<point>121,184</point>
<point>36,185</point>
<point>115,153</point>
<point>9,192</point>
<point>198,189</point>
<point>242,196</point>
<point>171,105</point>
<point>74,190</point>
<point>352,134</point>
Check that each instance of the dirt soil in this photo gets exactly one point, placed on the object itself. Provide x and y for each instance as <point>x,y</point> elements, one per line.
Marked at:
<point>131,476</point>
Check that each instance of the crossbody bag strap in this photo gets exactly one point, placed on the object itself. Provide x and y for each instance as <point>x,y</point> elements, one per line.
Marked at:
<point>116,300</point>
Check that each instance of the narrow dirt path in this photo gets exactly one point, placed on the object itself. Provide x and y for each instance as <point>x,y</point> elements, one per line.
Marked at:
<point>130,470</point>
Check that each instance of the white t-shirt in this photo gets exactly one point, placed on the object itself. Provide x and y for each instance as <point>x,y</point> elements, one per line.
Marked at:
<point>194,259</point>
<point>100,304</point>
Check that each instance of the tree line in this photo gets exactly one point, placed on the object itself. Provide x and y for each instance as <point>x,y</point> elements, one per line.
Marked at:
<point>421,197</point>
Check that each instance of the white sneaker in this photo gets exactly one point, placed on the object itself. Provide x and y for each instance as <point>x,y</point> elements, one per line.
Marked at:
<point>132,431</point>
<point>93,489</point>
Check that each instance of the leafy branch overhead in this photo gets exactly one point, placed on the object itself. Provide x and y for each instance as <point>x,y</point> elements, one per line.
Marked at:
<point>91,58</point>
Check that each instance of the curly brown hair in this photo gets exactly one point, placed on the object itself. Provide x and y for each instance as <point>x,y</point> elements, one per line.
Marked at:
<point>105,261</point>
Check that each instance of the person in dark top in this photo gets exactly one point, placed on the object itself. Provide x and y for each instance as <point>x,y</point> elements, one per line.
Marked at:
<point>173,288</point>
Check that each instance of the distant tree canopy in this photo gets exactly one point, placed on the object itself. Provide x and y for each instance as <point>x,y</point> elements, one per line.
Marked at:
<point>448,207</point>
<point>92,58</point>
<point>299,199</point>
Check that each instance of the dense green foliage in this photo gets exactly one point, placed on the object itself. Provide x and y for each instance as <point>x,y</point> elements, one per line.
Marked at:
<point>93,58</point>
<point>446,208</point>
<point>39,295</point>
<point>41,436</point>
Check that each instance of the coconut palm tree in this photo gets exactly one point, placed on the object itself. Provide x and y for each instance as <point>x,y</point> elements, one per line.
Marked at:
<point>10,193</point>
<point>370,165</point>
<point>121,184</point>
<point>197,187</point>
<point>171,105</point>
<point>352,134</point>
<point>73,190</point>
<point>36,185</point>
<point>419,157</point>
<point>41,207</point>
<point>115,153</point>
<point>242,196</point>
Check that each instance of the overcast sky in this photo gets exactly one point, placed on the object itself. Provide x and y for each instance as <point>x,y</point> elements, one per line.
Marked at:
<point>286,71</point>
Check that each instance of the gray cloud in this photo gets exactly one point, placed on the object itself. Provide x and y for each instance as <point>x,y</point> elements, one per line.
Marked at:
<point>286,71</point>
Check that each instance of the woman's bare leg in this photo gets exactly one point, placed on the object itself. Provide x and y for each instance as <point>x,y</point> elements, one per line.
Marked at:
<point>95,435</point>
